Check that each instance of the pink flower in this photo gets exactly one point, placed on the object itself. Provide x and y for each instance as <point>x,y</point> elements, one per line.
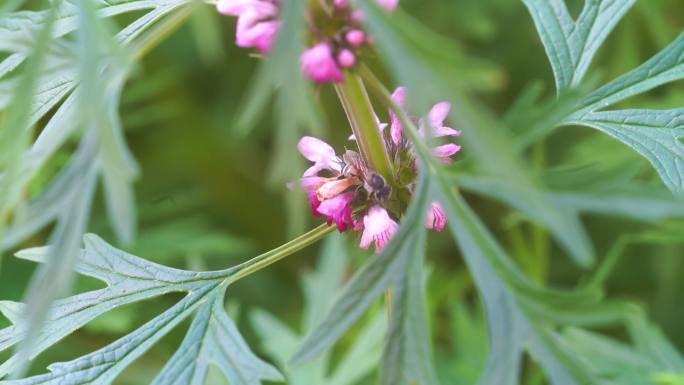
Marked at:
<point>444,152</point>
<point>319,65</point>
<point>238,7</point>
<point>436,118</point>
<point>435,218</point>
<point>339,210</point>
<point>311,184</point>
<point>355,37</point>
<point>256,27</point>
<point>378,227</point>
<point>340,4</point>
<point>319,152</point>
<point>346,58</point>
<point>389,5</point>
<point>399,98</point>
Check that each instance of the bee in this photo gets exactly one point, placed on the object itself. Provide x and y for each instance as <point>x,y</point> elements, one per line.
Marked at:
<point>352,165</point>
<point>373,186</point>
<point>379,190</point>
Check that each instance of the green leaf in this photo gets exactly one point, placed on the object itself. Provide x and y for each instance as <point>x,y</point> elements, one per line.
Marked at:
<point>664,67</point>
<point>103,365</point>
<point>320,288</point>
<point>571,45</point>
<point>407,357</point>
<point>655,134</point>
<point>488,143</point>
<point>130,279</point>
<point>367,284</point>
<point>214,339</point>
<point>629,201</point>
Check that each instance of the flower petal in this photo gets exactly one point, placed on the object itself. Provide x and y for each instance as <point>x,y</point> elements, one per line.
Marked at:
<point>378,227</point>
<point>435,218</point>
<point>317,151</point>
<point>438,113</point>
<point>399,97</point>
<point>389,5</point>
<point>319,65</point>
<point>446,150</point>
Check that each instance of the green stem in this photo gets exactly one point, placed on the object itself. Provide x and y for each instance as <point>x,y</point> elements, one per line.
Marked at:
<point>161,31</point>
<point>410,129</point>
<point>264,260</point>
<point>356,103</point>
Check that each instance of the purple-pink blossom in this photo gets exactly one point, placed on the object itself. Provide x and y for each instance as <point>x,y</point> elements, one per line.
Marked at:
<point>435,218</point>
<point>347,191</point>
<point>389,5</point>
<point>319,64</point>
<point>378,227</point>
<point>338,209</point>
<point>256,26</point>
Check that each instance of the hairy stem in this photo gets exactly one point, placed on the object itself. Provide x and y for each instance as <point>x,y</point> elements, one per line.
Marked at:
<point>266,259</point>
<point>354,99</point>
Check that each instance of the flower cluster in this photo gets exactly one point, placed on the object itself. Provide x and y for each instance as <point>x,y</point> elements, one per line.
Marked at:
<point>257,23</point>
<point>337,41</point>
<point>339,48</point>
<point>349,193</point>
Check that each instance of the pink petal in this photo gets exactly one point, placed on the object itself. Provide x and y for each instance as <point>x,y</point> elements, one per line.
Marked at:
<point>341,4</point>
<point>260,35</point>
<point>389,5</point>
<point>446,150</point>
<point>338,209</point>
<point>399,97</point>
<point>346,58</point>
<point>319,65</point>
<point>355,37</point>
<point>435,218</point>
<point>262,9</point>
<point>438,113</point>
<point>378,227</point>
<point>319,152</point>
<point>439,132</point>
<point>312,183</point>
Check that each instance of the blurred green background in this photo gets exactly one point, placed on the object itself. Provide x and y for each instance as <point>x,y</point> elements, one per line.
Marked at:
<point>205,200</point>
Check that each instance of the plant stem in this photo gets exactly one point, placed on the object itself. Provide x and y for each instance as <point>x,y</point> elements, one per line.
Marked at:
<point>160,31</point>
<point>354,99</point>
<point>264,260</point>
<point>409,128</point>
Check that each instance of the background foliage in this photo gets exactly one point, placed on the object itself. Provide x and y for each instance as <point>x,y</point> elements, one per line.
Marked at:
<point>206,156</point>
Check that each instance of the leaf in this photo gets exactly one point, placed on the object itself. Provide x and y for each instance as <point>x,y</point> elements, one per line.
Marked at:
<point>487,142</point>
<point>130,279</point>
<point>629,201</point>
<point>655,134</point>
<point>320,288</point>
<point>102,366</point>
<point>16,128</point>
<point>664,67</point>
<point>366,285</point>
<point>407,358</point>
<point>571,45</point>
<point>214,339</point>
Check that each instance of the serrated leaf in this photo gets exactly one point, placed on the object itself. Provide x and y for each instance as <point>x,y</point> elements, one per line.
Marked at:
<point>571,45</point>
<point>488,143</point>
<point>214,339</point>
<point>130,279</point>
<point>655,134</point>
<point>102,366</point>
<point>664,67</point>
